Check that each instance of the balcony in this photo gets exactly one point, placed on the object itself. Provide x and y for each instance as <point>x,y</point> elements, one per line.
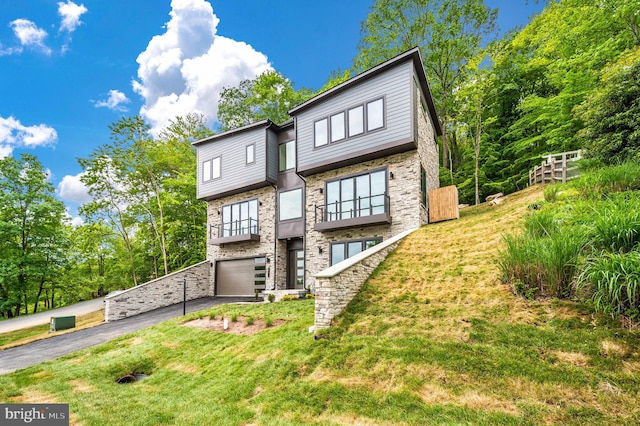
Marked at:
<point>363,211</point>
<point>235,232</point>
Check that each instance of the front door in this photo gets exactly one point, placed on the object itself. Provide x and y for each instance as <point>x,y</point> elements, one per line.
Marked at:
<point>295,265</point>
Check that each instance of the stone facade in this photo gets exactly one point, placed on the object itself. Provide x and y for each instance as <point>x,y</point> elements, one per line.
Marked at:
<point>161,292</point>
<point>267,229</point>
<point>427,149</point>
<point>338,285</point>
<point>405,209</point>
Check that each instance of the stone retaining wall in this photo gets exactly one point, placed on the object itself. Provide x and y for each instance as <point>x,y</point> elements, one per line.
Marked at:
<point>164,291</point>
<point>336,286</point>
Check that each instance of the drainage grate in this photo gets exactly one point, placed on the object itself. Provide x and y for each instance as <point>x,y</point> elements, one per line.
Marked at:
<point>131,378</point>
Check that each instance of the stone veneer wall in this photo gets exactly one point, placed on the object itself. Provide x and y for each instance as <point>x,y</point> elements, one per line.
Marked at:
<point>427,150</point>
<point>267,228</point>
<point>336,286</point>
<point>161,292</point>
<point>404,193</point>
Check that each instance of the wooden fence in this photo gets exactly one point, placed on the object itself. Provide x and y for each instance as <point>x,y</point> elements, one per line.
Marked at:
<point>443,204</point>
<point>556,168</point>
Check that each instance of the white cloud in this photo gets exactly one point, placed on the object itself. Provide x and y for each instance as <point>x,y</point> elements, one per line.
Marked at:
<point>71,189</point>
<point>70,14</point>
<point>14,134</point>
<point>185,69</point>
<point>29,34</point>
<point>115,101</point>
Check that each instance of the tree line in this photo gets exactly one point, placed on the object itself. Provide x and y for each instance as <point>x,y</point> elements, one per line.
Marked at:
<point>569,79</point>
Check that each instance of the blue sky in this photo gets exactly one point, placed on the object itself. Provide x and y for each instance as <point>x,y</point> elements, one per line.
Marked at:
<point>68,68</point>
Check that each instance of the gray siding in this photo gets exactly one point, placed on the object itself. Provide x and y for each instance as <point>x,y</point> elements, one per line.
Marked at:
<point>272,155</point>
<point>235,173</point>
<point>395,85</point>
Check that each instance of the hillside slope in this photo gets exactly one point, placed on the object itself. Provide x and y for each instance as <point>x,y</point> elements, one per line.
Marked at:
<point>433,338</point>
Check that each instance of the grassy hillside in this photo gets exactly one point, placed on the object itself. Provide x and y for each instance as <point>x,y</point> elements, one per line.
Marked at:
<point>433,338</point>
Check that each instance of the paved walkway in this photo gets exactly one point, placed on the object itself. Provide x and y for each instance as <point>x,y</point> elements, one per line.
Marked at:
<point>40,318</point>
<point>47,349</point>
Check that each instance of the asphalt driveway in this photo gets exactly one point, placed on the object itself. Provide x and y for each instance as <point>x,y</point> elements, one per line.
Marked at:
<point>44,350</point>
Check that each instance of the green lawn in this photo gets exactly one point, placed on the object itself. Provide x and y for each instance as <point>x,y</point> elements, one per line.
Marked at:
<point>434,338</point>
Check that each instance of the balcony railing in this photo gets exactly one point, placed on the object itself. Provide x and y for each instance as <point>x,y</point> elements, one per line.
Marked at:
<point>362,211</point>
<point>235,231</point>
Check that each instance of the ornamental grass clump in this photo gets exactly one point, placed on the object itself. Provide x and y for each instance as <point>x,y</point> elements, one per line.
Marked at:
<point>614,280</point>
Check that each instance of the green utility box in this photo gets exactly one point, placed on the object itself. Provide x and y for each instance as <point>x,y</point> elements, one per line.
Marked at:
<point>62,323</point>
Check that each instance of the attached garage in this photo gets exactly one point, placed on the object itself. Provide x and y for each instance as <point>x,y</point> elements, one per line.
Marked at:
<point>239,277</point>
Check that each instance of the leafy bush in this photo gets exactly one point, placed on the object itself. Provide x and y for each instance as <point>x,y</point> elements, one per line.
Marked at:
<point>615,281</point>
<point>271,297</point>
<point>288,297</point>
<point>250,320</point>
<point>234,317</point>
<point>268,322</point>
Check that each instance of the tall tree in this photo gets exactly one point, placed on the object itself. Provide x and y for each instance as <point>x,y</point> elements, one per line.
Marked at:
<point>448,32</point>
<point>32,233</point>
<point>268,96</point>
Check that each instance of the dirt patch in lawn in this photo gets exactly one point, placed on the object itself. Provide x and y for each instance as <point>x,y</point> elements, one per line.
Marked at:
<point>242,325</point>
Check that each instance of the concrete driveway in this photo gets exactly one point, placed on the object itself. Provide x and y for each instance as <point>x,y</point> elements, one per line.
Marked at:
<point>40,318</point>
<point>44,350</point>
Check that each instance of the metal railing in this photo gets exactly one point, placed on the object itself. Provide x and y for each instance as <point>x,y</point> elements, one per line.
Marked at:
<point>236,227</point>
<point>556,168</point>
<point>349,209</point>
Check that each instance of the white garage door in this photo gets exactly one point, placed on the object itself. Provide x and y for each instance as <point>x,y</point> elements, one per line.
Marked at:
<point>235,277</point>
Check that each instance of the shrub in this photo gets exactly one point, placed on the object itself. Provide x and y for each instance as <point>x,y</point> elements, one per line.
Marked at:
<point>309,296</point>
<point>268,322</point>
<point>616,225</point>
<point>250,320</point>
<point>542,266</point>
<point>271,297</point>
<point>234,317</point>
<point>606,180</point>
<point>615,281</point>
<point>288,297</point>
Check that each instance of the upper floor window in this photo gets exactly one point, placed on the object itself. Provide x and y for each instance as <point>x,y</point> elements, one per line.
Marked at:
<point>353,122</point>
<point>251,153</point>
<point>321,132</point>
<point>240,218</point>
<point>211,169</point>
<point>337,127</point>
<point>287,158</point>
<point>290,204</point>
<point>344,250</point>
<point>356,121</point>
<point>375,114</point>
<point>357,196</point>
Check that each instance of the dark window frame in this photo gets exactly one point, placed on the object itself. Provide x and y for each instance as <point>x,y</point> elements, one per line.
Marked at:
<point>354,176</point>
<point>211,169</point>
<point>346,243</point>
<point>301,204</point>
<point>365,122</point>
<point>239,203</point>
<point>253,153</point>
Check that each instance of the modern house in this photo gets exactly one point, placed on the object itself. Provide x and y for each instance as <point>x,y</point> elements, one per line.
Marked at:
<point>352,168</point>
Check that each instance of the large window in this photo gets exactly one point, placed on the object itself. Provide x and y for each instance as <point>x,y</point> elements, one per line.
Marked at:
<point>287,158</point>
<point>344,250</point>
<point>350,123</point>
<point>357,196</point>
<point>290,204</point>
<point>211,169</point>
<point>240,218</point>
